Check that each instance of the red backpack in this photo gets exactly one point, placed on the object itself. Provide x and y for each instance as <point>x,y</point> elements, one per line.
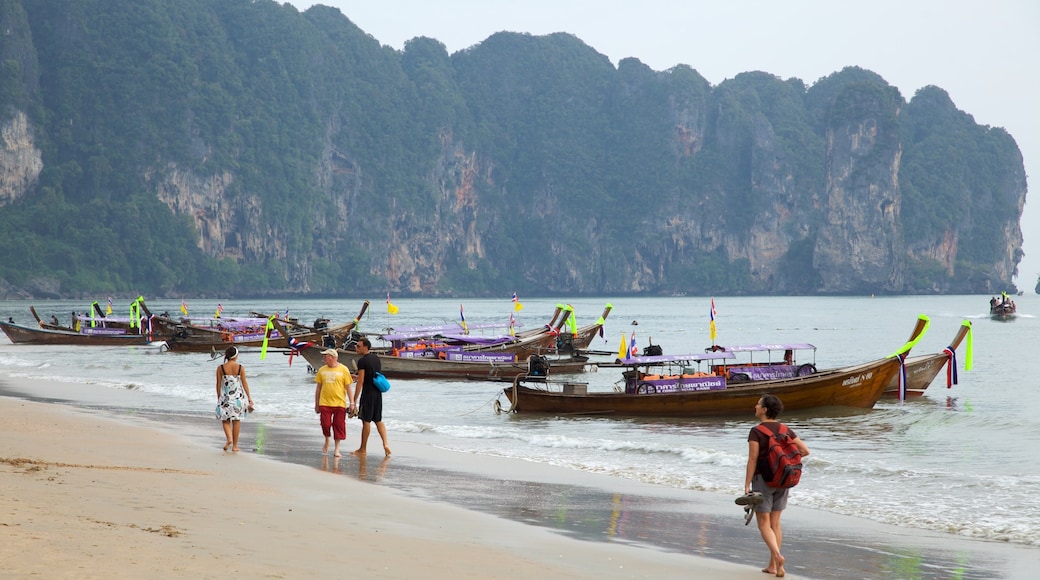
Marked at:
<point>784,458</point>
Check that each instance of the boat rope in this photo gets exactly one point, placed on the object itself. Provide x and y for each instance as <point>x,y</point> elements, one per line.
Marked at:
<point>512,406</point>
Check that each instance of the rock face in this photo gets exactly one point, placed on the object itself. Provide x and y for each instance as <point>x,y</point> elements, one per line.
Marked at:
<point>527,163</point>
<point>859,249</point>
<point>20,160</point>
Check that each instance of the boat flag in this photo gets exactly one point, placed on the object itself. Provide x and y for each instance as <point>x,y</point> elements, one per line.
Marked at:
<point>220,308</point>
<point>184,308</point>
<point>632,350</point>
<point>622,350</point>
<point>108,309</point>
<point>462,316</point>
<point>712,331</point>
<point>389,306</point>
<point>512,325</point>
<point>516,303</point>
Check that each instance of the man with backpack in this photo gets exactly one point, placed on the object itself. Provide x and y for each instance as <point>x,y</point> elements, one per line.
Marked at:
<point>774,466</point>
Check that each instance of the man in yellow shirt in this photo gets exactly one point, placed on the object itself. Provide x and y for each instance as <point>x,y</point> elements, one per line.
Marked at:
<point>335,388</point>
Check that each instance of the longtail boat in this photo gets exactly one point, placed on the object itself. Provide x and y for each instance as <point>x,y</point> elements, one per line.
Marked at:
<point>681,389</point>
<point>858,386</point>
<point>1003,308</point>
<point>458,364</point>
<point>217,334</point>
<point>921,370</point>
<point>550,339</point>
<point>19,334</point>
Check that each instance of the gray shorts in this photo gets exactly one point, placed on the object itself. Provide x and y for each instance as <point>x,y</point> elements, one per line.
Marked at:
<point>773,499</point>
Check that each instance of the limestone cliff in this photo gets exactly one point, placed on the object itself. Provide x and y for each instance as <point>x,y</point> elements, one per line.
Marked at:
<point>20,160</point>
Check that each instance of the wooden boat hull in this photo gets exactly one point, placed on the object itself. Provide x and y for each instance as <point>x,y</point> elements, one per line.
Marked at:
<point>857,386</point>
<point>19,334</point>
<point>432,368</point>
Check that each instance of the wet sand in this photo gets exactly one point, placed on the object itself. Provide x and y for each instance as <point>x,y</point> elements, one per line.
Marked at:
<point>95,490</point>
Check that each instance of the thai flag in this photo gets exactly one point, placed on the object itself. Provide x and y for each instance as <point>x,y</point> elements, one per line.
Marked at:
<point>516,303</point>
<point>296,346</point>
<point>632,350</point>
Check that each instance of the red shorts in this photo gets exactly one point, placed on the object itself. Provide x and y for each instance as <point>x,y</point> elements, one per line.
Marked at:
<point>334,422</point>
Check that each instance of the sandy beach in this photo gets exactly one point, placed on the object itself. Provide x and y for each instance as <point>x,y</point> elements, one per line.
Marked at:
<point>92,496</point>
<point>97,485</point>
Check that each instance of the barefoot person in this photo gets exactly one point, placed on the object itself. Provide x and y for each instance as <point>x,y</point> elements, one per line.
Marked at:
<point>334,389</point>
<point>767,513</point>
<point>370,409</point>
<point>233,399</point>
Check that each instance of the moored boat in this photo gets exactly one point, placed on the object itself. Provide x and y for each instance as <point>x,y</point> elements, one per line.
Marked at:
<point>458,364</point>
<point>858,386</point>
<point>217,334</point>
<point>19,334</point>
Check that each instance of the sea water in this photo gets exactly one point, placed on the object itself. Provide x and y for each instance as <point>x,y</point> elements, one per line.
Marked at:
<point>961,460</point>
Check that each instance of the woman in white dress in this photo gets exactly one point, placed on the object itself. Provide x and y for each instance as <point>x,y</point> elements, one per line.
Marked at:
<point>233,399</point>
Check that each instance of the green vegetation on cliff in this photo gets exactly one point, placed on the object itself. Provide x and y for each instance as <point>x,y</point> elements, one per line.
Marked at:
<point>240,147</point>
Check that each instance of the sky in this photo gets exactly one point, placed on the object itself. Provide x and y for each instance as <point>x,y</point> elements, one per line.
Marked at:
<point>984,54</point>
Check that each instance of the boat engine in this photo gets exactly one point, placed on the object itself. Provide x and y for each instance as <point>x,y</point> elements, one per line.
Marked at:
<point>351,340</point>
<point>537,366</point>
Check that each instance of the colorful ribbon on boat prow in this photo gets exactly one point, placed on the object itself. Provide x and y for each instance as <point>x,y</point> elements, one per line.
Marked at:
<point>572,325</point>
<point>968,346</point>
<point>912,343</point>
<point>93,308</point>
<point>135,312</point>
<point>902,377</point>
<point>267,335</point>
<point>951,353</point>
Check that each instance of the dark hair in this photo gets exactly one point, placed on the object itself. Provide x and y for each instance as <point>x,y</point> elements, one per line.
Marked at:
<point>773,406</point>
<point>364,340</point>
<point>230,353</point>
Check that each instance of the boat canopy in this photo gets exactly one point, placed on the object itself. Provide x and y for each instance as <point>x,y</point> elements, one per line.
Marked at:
<point>761,347</point>
<point>664,359</point>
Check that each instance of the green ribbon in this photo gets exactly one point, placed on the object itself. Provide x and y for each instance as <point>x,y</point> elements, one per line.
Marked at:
<point>906,347</point>
<point>967,346</point>
<point>267,334</point>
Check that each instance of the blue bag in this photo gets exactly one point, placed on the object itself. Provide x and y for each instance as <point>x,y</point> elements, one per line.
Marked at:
<point>380,382</point>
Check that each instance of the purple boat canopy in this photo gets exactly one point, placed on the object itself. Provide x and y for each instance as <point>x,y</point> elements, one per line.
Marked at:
<point>760,347</point>
<point>664,359</point>
<point>438,330</point>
